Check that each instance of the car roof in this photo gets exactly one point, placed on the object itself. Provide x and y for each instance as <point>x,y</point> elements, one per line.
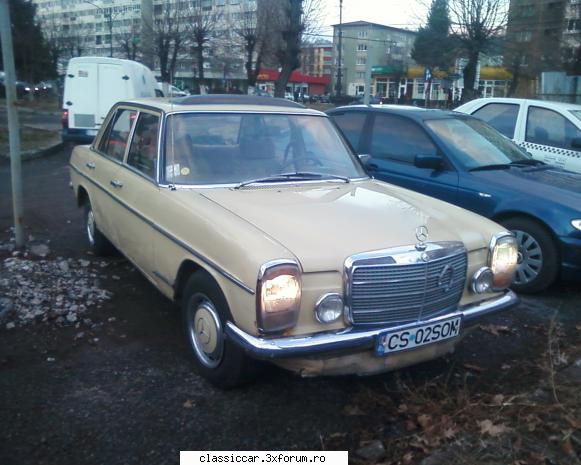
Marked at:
<point>224,103</point>
<point>540,103</point>
<point>417,113</point>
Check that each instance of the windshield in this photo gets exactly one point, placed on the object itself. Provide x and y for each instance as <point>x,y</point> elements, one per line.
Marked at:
<point>476,144</point>
<point>202,149</point>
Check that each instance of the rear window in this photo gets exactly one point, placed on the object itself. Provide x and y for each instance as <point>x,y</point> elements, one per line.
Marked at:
<point>114,141</point>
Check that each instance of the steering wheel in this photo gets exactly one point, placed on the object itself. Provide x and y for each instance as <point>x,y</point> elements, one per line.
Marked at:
<point>309,159</point>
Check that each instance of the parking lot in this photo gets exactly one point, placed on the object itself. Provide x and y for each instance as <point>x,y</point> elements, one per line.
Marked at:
<point>116,386</point>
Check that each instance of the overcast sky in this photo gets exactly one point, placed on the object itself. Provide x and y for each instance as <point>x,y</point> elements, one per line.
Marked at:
<point>400,13</point>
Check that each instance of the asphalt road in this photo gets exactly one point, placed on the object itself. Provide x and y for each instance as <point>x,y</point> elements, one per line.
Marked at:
<point>132,397</point>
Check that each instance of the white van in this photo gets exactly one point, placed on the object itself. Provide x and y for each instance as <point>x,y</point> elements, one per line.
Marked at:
<point>93,85</point>
<point>549,131</point>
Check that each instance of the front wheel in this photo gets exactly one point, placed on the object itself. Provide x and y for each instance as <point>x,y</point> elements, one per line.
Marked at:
<point>538,257</point>
<point>205,313</point>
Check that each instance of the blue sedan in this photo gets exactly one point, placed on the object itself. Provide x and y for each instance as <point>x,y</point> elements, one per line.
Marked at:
<point>462,160</point>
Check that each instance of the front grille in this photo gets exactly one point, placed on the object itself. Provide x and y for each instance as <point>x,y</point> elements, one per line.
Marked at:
<point>399,293</point>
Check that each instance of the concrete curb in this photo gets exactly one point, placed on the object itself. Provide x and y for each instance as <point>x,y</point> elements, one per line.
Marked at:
<point>37,153</point>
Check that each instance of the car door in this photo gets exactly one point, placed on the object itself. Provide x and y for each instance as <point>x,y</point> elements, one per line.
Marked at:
<point>102,167</point>
<point>549,137</point>
<point>394,143</point>
<point>501,116</point>
<point>137,189</point>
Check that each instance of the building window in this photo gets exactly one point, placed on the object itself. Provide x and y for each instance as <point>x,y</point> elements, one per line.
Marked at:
<point>523,36</point>
<point>362,47</point>
<point>362,34</point>
<point>360,75</point>
<point>361,60</point>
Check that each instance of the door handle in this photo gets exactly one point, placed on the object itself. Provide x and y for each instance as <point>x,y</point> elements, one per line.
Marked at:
<point>116,184</point>
<point>90,165</point>
<point>372,166</point>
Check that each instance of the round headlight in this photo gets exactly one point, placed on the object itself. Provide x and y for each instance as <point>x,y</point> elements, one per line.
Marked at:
<point>503,260</point>
<point>329,308</point>
<point>482,280</point>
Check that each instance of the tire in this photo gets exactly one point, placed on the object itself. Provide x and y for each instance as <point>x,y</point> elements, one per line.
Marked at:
<point>538,255</point>
<point>204,314</point>
<point>98,243</point>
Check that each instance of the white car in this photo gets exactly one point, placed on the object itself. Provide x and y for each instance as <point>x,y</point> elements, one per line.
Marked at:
<point>173,90</point>
<point>549,131</point>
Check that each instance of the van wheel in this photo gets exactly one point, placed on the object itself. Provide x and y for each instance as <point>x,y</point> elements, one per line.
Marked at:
<point>98,243</point>
<point>538,257</point>
<point>205,313</point>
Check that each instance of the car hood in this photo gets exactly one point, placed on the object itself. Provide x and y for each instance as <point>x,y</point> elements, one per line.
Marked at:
<point>542,182</point>
<point>322,224</point>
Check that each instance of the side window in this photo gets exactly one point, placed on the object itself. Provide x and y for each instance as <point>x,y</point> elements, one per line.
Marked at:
<point>501,116</point>
<point>351,124</point>
<point>547,127</point>
<point>399,139</point>
<point>115,140</point>
<point>143,150</point>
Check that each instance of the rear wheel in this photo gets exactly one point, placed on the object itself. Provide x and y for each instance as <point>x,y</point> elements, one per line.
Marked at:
<point>205,313</point>
<point>98,243</point>
<point>538,257</point>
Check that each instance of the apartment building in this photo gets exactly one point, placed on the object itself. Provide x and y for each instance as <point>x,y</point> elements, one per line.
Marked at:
<point>317,59</point>
<point>365,46</point>
<point>114,28</point>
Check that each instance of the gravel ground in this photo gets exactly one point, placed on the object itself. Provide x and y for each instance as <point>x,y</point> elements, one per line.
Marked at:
<point>116,385</point>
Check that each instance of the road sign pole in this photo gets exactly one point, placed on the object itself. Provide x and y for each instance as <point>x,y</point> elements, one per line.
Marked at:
<point>13,125</point>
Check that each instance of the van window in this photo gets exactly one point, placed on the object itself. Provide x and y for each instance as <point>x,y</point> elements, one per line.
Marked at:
<point>143,151</point>
<point>547,127</point>
<point>115,139</point>
<point>501,116</point>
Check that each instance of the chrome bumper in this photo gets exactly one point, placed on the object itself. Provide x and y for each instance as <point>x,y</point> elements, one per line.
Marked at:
<point>349,339</point>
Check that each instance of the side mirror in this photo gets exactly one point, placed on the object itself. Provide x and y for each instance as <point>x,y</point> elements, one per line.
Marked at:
<point>576,143</point>
<point>432,162</point>
<point>365,158</point>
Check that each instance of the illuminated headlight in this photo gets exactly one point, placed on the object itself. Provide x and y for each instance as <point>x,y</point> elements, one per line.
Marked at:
<point>278,296</point>
<point>503,260</point>
<point>482,280</point>
<point>329,308</point>
<point>576,224</point>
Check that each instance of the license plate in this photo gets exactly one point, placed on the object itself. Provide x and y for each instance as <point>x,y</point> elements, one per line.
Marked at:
<point>417,336</point>
<point>91,132</point>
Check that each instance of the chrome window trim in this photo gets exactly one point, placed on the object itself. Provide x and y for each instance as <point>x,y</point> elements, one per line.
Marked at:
<point>170,236</point>
<point>172,186</point>
<point>278,183</point>
<point>132,168</point>
<point>94,146</point>
<point>403,255</point>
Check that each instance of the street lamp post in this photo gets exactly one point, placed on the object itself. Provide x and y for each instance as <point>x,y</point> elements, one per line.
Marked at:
<point>339,86</point>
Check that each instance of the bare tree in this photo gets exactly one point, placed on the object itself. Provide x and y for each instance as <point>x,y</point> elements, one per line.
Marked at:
<point>129,43</point>
<point>169,39</point>
<point>250,30</point>
<point>201,25</point>
<point>54,41</point>
<point>475,24</point>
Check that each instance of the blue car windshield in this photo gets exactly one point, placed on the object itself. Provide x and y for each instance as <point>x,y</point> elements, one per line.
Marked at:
<point>475,144</point>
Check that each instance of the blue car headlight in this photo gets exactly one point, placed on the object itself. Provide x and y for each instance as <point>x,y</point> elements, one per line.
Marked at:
<point>576,224</point>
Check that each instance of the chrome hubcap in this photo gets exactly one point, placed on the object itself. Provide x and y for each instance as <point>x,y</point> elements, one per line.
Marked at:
<point>205,331</point>
<point>530,258</point>
<point>91,227</point>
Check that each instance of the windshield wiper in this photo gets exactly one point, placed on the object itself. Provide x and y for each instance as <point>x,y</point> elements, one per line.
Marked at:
<point>528,162</point>
<point>297,176</point>
<point>497,166</point>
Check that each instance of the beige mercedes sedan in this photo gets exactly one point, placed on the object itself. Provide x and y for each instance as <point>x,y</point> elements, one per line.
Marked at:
<point>255,216</point>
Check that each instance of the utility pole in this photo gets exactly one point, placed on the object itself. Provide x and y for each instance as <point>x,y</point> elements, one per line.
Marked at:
<point>147,33</point>
<point>13,126</point>
<point>367,90</point>
<point>110,19</point>
<point>338,85</point>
